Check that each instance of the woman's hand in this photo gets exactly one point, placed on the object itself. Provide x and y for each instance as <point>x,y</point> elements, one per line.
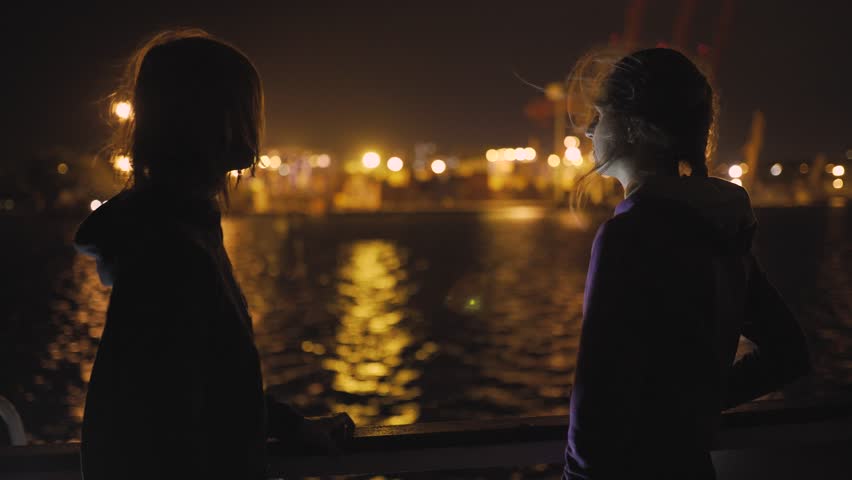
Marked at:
<point>326,434</point>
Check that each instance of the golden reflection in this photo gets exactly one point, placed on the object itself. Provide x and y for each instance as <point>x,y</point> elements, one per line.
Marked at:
<point>372,339</point>
<point>77,314</point>
<point>256,256</point>
<point>521,213</point>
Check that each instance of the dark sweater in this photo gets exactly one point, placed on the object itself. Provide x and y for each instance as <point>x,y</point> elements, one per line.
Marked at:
<point>176,388</point>
<point>671,286</point>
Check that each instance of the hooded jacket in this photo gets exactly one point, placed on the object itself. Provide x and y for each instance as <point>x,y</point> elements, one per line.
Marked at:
<point>671,286</point>
<point>176,388</point>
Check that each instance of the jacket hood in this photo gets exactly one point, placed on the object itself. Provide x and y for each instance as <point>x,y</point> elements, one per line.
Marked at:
<point>126,223</point>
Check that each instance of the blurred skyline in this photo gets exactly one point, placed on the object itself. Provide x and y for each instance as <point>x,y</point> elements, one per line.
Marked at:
<point>386,75</point>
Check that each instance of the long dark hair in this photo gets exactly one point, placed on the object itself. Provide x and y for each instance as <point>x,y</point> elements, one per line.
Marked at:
<point>663,99</point>
<point>197,112</point>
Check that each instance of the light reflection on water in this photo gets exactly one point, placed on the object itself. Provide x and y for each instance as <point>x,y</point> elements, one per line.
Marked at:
<point>77,316</point>
<point>396,319</point>
<point>375,356</point>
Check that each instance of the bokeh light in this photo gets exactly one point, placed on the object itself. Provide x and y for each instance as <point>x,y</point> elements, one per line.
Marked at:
<point>123,110</point>
<point>735,171</point>
<point>776,170</point>
<point>837,183</point>
<point>838,171</point>
<point>439,166</point>
<point>553,160</point>
<point>371,160</point>
<point>573,155</point>
<point>492,155</point>
<point>122,163</point>
<point>95,204</point>
<point>395,164</point>
<point>571,142</point>
<point>323,161</point>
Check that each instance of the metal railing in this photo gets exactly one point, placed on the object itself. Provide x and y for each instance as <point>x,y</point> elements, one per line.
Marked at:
<point>753,437</point>
<point>13,423</point>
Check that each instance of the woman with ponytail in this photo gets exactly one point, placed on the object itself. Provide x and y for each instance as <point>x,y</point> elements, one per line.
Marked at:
<point>671,286</point>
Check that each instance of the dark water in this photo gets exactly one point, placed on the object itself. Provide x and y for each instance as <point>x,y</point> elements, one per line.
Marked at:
<point>393,318</point>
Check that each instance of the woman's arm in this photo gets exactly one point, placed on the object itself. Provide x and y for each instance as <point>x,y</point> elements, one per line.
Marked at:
<point>283,420</point>
<point>610,359</point>
<point>307,434</point>
<point>159,310</point>
<point>782,352</point>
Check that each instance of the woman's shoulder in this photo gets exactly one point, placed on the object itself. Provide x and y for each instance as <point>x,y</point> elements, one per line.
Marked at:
<point>135,231</point>
<point>620,230</point>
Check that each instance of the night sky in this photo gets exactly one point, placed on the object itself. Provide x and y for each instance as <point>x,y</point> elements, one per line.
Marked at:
<point>345,76</point>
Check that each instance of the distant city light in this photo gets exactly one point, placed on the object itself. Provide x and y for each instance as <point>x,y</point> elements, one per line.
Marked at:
<point>829,168</point>
<point>439,166</point>
<point>234,173</point>
<point>95,204</point>
<point>263,162</point>
<point>509,154</point>
<point>274,162</point>
<point>284,170</point>
<point>323,161</point>
<point>394,164</point>
<point>520,154</point>
<point>837,183</point>
<point>122,164</point>
<point>62,168</point>
<point>744,166</point>
<point>371,160</point>
<point>838,170</point>
<point>529,154</point>
<point>849,154</point>
<point>776,169</point>
<point>492,155</point>
<point>473,304</point>
<point>123,110</point>
<point>571,141</point>
<point>573,155</point>
<point>553,160</point>
<point>9,204</point>
<point>803,168</point>
<point>735,171</point>
<point>737,181</point>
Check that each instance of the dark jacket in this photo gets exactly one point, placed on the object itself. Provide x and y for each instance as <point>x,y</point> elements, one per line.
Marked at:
<point>671,286</point>
<point>176,388</point>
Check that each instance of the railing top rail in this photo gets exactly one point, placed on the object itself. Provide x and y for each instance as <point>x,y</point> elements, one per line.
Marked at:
<point>525,436</point>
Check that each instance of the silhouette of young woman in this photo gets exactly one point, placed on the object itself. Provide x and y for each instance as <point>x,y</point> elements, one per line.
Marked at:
<point>176,389</point>
<point>671,286</point>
